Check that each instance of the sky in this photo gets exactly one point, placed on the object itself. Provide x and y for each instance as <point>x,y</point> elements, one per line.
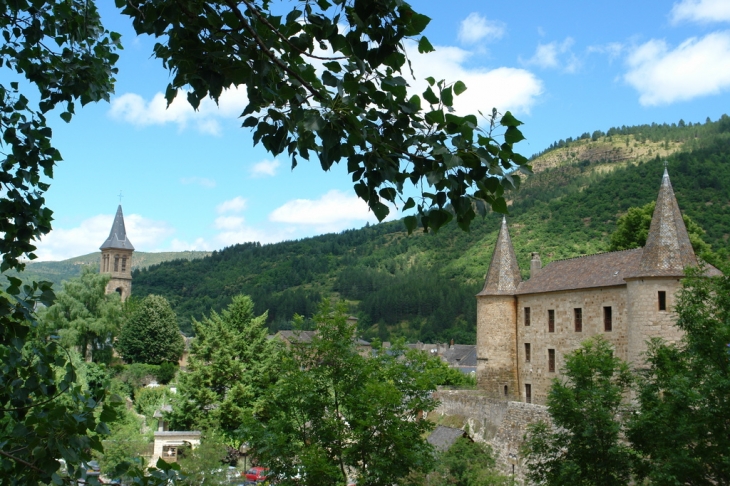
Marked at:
<point>194,181</point>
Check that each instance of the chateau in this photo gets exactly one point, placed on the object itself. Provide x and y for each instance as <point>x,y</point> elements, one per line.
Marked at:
<point>525,328</point>
<point>116,258</point>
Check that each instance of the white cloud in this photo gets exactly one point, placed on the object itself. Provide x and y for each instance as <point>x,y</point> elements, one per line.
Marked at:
<point>265,168</point>
<point>612,49</point>
<point>61,243</point>
<point>201,181</point>
<point>235,205</point>
<point>697,67</point>
<point>503,88</point>
<point>228,222</point>
<point>475,28</point>
<point>133,109</point>
<point>548,56</point>
<point>702,11</point>
<point>333,211</point>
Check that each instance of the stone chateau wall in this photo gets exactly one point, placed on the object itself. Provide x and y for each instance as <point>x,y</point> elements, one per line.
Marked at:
<point>501,424</point>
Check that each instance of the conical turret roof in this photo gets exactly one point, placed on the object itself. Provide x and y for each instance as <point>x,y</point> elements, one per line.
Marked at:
<point>503,276</point>
<point>118,235</point>
<point>668,249</point>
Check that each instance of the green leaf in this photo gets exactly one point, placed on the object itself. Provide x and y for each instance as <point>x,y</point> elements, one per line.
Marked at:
<point>513,135</point>
<point>435,117</point>
<point>499,205</point>
<point>66,116</point>
<point>409,204</point>
<point>419,22</point>
<point>251,121</point>
<point>459,88</point>
<point>388,193</point>
<point>411,223</point>
<point>430,96</point>
<point>508,120</point>
<point>425,46</point>
<point>447,96</point>
<point>380,210</point>
<point>430,80</point>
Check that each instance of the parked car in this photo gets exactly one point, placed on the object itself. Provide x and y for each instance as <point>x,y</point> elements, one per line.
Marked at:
<point>256,474</point>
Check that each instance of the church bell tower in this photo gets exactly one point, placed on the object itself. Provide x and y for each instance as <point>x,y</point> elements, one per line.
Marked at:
<point>116,258</point>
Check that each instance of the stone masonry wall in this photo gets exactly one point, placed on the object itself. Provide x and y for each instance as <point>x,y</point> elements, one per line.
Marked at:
<point>496,341</point>
<point>647,321</point>
<point>501,424</point>
<point>565,339</point>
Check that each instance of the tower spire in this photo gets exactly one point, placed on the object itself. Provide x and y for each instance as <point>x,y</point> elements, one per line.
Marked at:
<point>503,276</point>
<point>118,235</point>
<point>668,249</point>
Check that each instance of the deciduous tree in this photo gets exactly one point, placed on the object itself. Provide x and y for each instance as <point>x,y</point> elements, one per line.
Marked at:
<point>84,316</point>
<point>682,430</point>
<point>331,79</point>
<point>150,333</point>
<point>335,414</point>
<point>583,445</point>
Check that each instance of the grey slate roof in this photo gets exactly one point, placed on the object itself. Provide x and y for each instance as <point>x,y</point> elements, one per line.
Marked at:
<point>668,249</point>
<point>503,276</point>
<point>602,270</point>
<point>442,438</point>
<point>118,235</point>
<point>461,355</point>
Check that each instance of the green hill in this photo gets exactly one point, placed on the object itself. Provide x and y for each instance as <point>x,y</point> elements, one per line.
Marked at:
<point>59,271</point>
<point>422,286</point>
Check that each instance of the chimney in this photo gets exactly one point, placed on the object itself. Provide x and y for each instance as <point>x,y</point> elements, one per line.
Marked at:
<point>535,264</point>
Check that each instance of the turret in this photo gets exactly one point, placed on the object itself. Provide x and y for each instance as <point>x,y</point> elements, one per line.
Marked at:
<point>651,289</point>
<point>496,321</point>
<point>116,258</point>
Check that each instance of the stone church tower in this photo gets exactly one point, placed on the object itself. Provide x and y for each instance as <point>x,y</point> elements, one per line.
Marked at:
<point>116,258</point>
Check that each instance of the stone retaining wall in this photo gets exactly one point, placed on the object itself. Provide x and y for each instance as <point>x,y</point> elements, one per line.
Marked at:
<point>501,424</point>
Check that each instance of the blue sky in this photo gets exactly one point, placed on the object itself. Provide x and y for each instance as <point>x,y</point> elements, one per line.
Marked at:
<point>195,181</point>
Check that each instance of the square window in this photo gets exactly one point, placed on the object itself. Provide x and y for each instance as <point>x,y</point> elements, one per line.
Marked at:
<point>662,300</point>
<point>527,316</point>
<point>551,360</point>
<point>607,319</point>
<point>551,320</point>
<point>527,352</point>
<point>578,319</point>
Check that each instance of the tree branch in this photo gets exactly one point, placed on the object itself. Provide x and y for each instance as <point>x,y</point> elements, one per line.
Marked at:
<point>257,13</point>
<point>242,18</point>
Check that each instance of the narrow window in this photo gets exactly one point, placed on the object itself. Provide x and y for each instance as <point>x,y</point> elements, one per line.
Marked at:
<point>527,316</point>
<point>116,263</point>
<point>124,264</point>
<point>528,393</point>
<point>527,352</point>
<point>607,319</point>
<point>551,360</point>
<point>662,300</point>
<point>551,320</point>
<point>505,390</point>
<point>578,318</point>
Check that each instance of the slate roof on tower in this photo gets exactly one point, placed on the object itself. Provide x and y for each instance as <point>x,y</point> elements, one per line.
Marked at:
<point>118,235</point>
<point>668,250</point>
<point>503,276</point>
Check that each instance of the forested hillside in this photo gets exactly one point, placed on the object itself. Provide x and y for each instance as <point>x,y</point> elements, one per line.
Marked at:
<point>422,286</point>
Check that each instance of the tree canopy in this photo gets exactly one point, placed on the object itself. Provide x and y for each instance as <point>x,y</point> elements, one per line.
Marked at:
<point>83,315</point>
<point>150,334</point>
<point>231,364</point>
<point>335,415</point>
<point>331,79</point>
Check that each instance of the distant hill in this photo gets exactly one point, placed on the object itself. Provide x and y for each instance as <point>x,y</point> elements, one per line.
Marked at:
<point>59,271</point>
<point>422,286</point>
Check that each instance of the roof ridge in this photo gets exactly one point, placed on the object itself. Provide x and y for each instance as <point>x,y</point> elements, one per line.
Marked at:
<point>592,254</point>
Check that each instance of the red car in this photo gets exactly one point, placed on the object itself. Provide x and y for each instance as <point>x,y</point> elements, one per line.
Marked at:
<point>256,474</point>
